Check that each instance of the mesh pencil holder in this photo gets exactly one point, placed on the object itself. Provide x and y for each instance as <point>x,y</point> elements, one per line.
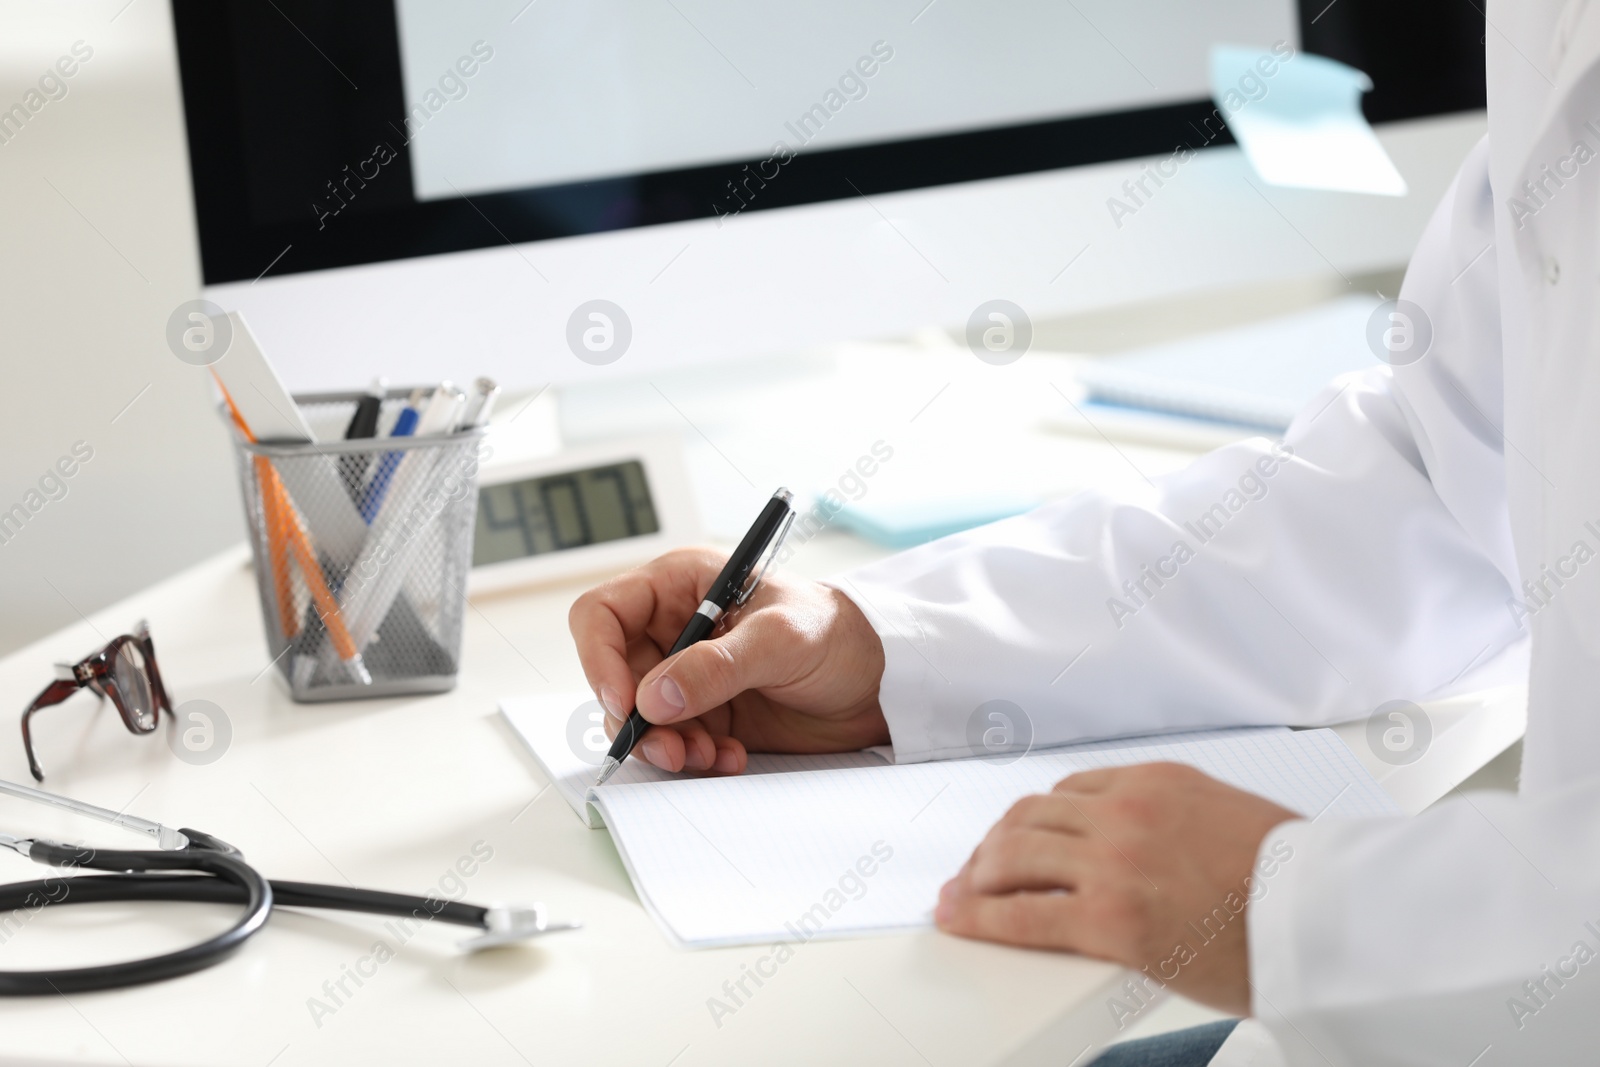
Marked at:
<point>362,549</point>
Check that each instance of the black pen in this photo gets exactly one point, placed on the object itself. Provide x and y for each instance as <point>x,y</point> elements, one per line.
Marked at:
<point>734,585</point>
<point>363,424</point>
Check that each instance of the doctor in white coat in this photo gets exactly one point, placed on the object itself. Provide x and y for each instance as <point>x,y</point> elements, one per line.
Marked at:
<point>1419,518</point>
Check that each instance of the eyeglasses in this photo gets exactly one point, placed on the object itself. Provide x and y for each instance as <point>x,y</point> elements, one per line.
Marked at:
<point>125,670</point>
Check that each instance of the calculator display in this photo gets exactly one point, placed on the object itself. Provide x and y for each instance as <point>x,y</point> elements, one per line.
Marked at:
<point>561,511</point>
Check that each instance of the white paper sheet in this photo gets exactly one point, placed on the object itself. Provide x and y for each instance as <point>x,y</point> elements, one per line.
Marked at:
<point>563,732</point>
<point>788,855</point>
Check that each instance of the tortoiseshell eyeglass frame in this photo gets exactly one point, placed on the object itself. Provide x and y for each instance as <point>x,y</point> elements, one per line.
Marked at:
<point>98,674</point>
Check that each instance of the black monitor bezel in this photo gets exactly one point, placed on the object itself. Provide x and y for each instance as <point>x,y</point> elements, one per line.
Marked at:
<point>238,244</point>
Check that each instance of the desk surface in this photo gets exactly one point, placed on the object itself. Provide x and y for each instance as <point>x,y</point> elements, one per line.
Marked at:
<point>392,793</point>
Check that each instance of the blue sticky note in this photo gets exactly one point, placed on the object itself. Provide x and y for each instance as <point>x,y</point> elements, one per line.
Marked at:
<point>906,523</point>
<point>1299,120</point>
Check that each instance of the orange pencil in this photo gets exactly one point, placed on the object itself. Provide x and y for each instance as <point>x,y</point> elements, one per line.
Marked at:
<point>273,519</point>
<point>288,617</point>
<point>299,544</point>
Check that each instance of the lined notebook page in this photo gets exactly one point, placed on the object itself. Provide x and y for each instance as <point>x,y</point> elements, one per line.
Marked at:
<point>542,722</point>
<point>849,851</point>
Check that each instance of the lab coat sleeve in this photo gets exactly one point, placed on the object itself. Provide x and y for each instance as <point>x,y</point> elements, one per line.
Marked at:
<point>1364,559</point>
<point>1467,935</point>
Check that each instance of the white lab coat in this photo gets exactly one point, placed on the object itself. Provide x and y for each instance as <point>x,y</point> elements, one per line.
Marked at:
<point>1379,561</point>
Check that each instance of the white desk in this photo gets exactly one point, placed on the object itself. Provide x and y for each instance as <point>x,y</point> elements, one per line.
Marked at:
<point>391,793</point>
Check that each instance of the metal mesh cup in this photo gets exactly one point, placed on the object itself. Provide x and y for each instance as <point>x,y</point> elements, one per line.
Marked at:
<point>362,550</point>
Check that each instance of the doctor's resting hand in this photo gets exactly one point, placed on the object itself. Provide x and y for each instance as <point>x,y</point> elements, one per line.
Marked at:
<point>1129,864</point>
<point>1113,863</point>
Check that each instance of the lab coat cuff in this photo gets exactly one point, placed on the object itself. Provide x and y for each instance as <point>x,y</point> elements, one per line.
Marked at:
<point>1283,883</point>
<point>903,694</point>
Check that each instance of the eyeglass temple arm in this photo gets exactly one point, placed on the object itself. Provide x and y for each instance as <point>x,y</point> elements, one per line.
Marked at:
<point>53,694</point>
<point>166,837</point>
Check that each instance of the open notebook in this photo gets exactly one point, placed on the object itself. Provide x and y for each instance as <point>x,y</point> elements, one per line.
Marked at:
<point>831,846</point>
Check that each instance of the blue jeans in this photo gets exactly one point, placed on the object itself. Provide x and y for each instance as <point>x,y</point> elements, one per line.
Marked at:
<point>1193,1047</point>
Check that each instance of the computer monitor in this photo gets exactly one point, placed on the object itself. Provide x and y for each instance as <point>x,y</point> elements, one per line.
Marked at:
<point>549,190</point>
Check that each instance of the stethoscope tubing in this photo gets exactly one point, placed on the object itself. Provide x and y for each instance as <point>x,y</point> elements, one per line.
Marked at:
<point>216,874</point>
<point>192,889</point>
<point>210,859</point>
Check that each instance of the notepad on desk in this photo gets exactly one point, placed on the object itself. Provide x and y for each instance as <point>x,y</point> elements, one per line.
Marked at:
<point>852,844</point>
<point>1260,375</point>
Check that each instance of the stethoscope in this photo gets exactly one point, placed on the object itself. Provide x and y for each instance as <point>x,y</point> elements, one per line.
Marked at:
<point>191,866</point>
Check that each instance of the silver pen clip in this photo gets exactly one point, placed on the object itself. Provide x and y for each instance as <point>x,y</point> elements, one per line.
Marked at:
<point>754,578</point>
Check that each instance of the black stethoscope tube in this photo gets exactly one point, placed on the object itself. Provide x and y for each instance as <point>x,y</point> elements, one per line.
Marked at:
<point>192,889</point>
<point>211,860</point>
<point>194,867</point>
<point>217,875</point>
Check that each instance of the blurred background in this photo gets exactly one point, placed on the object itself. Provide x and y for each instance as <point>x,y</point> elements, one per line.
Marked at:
<point>807,219</point>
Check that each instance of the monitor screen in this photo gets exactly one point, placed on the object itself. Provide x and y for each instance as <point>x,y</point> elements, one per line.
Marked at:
<point>328,135</point>
<point>608,88</point>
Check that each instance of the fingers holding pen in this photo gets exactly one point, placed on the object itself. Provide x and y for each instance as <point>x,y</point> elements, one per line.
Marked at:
<point>619,625</point>
<point>707,675</point>
<point>691,747</point>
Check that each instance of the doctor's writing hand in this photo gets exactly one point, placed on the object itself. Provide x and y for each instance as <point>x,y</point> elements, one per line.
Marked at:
<point>1147,866</point>
<point>796,671</point>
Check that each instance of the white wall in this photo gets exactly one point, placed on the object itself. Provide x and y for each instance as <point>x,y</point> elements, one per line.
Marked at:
<point>96,249</point>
